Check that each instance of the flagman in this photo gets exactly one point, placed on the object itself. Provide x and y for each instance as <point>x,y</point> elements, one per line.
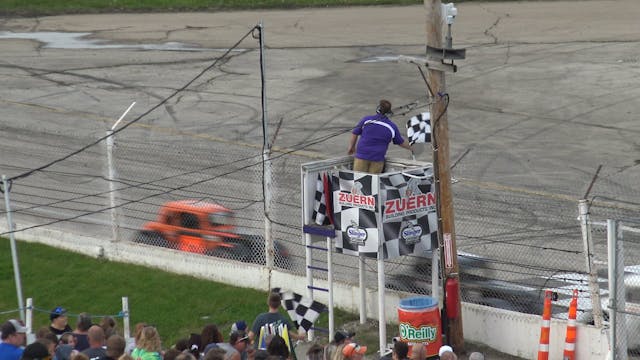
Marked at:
<point>376,132</point>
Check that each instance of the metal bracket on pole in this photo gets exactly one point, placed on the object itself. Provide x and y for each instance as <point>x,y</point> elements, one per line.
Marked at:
<point>433,65</point>
<point>435,53</point>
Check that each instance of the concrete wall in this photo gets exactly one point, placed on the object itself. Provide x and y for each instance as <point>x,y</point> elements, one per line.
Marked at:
<point>518,334</point>
<point>506,331</point>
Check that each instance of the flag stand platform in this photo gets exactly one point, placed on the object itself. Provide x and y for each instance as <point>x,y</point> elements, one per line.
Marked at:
<point>380,216</point>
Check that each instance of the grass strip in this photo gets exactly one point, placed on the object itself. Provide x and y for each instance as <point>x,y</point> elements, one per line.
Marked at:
<point>176,304</point>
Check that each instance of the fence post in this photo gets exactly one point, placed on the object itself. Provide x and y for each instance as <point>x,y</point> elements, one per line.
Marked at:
<point>266,167</point>
<point>618,339</point>
<point>112,187</point>
<point>125,317</point>
<point>111,177</point>
<point>585,225</point>
<point>363,289</point>
<point>14,250</point>
<point>29,317</point>
<point>382,322</point>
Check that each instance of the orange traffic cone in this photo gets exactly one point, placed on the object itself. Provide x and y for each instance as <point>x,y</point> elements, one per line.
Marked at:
<point>570,340</point>
<point>545,329</point>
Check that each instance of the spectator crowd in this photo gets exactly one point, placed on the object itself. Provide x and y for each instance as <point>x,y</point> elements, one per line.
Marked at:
<point>264,340</point>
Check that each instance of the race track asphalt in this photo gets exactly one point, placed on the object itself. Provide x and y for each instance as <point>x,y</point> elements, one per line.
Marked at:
<point>551,83</point>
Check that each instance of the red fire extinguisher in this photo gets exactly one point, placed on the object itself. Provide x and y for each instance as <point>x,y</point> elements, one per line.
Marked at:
<point>451,289</point>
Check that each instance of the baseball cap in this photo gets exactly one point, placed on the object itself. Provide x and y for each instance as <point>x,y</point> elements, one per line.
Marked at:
<point>238,336</point>
<point>11,327</point>
<point>444,349</point>
<point>342,335</point>
<point>36,350</point>
<point>353,348</point>
<point>239,326</point>
<point>57,312</point>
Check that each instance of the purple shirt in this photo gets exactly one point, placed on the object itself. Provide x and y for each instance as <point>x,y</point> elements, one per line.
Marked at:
<point>376,132</point>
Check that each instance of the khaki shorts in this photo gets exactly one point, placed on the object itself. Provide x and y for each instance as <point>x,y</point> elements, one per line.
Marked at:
<point>372,167</point>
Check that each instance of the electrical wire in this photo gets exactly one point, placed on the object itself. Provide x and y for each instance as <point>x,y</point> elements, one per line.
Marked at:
<point>170,190</point>
<point>139,117</point>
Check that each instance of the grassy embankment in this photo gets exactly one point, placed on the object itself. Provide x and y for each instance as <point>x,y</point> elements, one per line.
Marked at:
<point>178,305</point>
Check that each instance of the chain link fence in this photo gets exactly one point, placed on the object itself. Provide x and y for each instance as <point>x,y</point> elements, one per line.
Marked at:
<point>622,305</point>
<point>517,234</point>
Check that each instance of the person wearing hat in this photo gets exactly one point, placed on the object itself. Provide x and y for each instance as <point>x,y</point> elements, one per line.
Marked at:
<point>376,132</point>
<point>446,353</point>
<point>241,326</point>
<point>238,343</point>
<point>339,338</point>
<point>36,351</point>
<point>353,351</point>
<point>59,321</point>
<point>13,337</point>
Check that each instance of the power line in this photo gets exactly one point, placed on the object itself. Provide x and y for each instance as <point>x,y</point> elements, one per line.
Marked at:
<point>162,102</point>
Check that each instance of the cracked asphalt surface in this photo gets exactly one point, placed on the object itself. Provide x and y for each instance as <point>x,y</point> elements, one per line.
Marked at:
<point>547,93</point>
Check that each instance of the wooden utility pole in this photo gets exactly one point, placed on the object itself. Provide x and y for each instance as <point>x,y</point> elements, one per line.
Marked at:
<point>440,129</point>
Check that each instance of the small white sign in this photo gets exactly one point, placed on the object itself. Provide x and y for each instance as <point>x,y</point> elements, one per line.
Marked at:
<point>448,255</point>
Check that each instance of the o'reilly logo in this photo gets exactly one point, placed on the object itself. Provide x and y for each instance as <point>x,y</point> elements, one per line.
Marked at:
<point>424,334</point>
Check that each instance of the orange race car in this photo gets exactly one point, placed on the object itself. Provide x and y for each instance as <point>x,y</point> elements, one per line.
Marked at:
<point>206,228</point>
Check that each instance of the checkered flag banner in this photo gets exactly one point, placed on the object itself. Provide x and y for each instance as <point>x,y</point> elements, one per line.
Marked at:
<point>322,214</point>
<point>419,128</point>
<point>409,218</point>
<point>355,199</point>
<point>303,311</point>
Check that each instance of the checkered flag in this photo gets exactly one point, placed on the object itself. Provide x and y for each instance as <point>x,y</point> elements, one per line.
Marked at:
<point>302,310</point>
<point>419,128</point>
<point>322,214</point>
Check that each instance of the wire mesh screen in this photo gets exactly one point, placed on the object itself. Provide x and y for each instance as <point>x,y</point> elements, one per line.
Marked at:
<point>518,232</point>
<point>185,171</point>
<point>626,303</point>
<point>513,242</point>
<point>188,175</point>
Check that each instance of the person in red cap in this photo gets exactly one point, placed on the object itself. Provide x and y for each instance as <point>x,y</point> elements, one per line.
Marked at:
<point>353,351</point>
